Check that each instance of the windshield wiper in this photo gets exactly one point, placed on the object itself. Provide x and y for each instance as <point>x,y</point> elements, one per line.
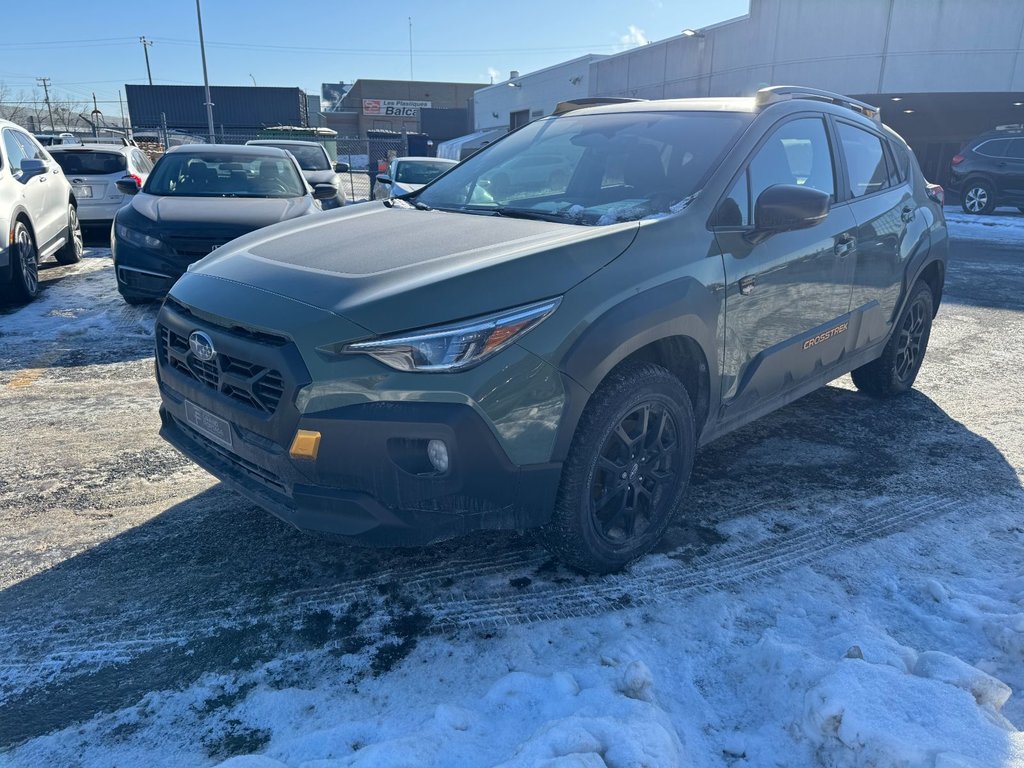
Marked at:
<point>517,213</point>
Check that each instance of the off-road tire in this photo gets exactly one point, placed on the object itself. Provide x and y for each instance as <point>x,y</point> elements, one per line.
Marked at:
<point>891,374</point>
<point>573,533</point>
<point>71,252</point>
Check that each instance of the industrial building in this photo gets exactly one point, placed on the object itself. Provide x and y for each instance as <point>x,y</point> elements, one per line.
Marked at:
<point>439,109</point>
<point>237,110</point>
<point>941,72</point>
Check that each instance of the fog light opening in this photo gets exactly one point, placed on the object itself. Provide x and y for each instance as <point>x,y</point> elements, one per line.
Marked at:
<point>437,452</point>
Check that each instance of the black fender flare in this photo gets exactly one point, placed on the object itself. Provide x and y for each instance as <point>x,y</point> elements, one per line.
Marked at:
<point>681,307</point>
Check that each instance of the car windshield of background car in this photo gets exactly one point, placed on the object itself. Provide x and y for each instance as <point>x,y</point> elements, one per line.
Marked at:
<point>225,175</point>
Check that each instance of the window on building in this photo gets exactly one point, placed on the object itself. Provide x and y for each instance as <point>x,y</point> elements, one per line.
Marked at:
<point>518,119</point>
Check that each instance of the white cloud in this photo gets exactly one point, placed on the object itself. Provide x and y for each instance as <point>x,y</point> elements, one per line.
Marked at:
<point>635,36</point>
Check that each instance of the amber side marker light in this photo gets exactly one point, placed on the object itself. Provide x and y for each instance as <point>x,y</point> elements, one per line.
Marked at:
<point>305,445</point>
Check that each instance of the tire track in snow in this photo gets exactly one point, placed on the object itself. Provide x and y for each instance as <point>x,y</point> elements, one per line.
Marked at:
<point>650,582</point>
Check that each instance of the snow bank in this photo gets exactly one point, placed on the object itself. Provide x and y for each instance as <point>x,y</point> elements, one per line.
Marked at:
<point>1002,227</point>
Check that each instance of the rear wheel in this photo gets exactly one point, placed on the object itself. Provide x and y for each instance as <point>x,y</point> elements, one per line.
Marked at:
<point>978,197</point>
<point>24,285</point>
<point>71,252</point>
<point>894,372</point>
<point>626,472</point>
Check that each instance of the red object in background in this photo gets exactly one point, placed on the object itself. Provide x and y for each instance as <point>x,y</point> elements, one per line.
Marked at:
<point>936,193</point>
<point>957,159</point>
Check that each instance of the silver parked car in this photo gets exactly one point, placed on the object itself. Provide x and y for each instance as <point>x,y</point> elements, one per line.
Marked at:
<point>407,174</point>
<point>315,163</point>
<point>94,170</point>
<point>38,213</point>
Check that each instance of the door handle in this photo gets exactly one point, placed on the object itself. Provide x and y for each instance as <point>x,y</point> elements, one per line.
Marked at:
<point>844,245</point>
<point>907,214</point>
<point>746,285</point>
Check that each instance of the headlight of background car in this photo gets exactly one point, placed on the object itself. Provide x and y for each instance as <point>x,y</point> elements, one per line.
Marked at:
<point>452,347</point>
<point>135,237</point>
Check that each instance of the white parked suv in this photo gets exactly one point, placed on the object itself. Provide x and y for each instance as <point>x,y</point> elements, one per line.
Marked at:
<point>94,170</point>
<point>38,213</point>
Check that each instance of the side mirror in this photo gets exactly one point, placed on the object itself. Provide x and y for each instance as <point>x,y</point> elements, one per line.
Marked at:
<point>786,207</point>
<point>324,192</point>
<point>383,178</point>
<point>341,168</point>
<point>127,186</point>
<point>34,167</point>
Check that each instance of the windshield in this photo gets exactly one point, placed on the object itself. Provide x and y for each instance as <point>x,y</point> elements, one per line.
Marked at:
<point>419,171</point>
<point>79,162</point>
<point>310,158</point>
<point>591,169</point>
<point>225,174</point>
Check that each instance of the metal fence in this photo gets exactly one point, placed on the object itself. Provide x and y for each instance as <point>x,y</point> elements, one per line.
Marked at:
<point>364,157</point>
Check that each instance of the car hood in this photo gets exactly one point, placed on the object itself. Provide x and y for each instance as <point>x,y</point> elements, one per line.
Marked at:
<point>250,212</point>
<point>402,187</point>
<point>394,268</point>
<point>321,177</point>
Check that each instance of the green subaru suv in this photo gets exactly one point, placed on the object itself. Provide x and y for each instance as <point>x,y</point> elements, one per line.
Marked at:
<point>506,349</point>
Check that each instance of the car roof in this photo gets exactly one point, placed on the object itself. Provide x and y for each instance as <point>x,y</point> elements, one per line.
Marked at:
<point>424,157</point>
<point>714,104</point>
<point>216,149</point>
<point>276,142</point>
<point>121,150</point>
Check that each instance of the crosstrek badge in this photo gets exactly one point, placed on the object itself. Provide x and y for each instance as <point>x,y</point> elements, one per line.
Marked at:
<point>826,335</point>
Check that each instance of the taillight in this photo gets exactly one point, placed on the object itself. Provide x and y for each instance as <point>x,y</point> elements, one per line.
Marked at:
<point>137,178</point>
<point>957,159</point>
<point>936,193</point>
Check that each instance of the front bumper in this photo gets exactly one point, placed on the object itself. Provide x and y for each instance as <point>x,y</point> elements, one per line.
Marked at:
<point>371,480</point>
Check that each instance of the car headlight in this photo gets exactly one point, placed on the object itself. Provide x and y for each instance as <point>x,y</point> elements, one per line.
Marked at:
<point>452,347</point>
<point>135,237</point>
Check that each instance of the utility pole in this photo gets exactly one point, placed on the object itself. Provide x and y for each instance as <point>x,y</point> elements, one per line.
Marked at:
<point>96,115</point>
<point>145,49</point>
<point>410,49</point>
<point>45,82</point>
<point>206,77</point>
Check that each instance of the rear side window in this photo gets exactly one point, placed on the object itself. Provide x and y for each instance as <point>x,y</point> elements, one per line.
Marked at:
<point>992,147</point>
<point>865,160</point>
<point>1016,149</point>
<point>91,163</point>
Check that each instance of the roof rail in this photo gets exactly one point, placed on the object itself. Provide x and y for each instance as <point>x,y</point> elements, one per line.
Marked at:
<point>1011,127</point>
<point>777,93</point>
<point>590,101</point>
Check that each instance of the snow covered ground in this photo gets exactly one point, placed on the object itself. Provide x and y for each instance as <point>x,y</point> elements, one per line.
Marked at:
<point>847,590</point>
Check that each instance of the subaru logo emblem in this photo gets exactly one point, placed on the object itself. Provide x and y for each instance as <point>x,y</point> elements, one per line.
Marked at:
<point>202,346</point>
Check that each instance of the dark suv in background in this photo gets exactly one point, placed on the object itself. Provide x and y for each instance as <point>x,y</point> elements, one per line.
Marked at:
<point>508,349</point>
<point>989,171</point>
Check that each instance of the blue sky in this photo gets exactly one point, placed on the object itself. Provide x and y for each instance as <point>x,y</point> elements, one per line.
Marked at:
<point>94,46</point>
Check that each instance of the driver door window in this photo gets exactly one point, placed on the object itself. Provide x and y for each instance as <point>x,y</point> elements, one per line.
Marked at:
<point>15,153</point>
<point>797,153</point>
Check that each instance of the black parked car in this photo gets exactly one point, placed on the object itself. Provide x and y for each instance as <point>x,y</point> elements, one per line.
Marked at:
<point>199,197</point>
<point>989,171</point>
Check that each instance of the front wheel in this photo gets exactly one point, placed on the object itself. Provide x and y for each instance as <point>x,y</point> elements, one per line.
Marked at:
<point>627,470</point>
<point>894,372</point>
<point>71,252</point>
<point>24,264</point>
